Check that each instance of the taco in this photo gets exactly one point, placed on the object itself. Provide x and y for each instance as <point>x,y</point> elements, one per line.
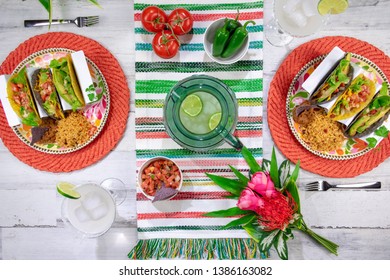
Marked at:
<point>354,99</point>
<point>336,83</point>
<point>372,116</point>
<point>45,93</point>
<point>21,100</point>
<point>65,81</point>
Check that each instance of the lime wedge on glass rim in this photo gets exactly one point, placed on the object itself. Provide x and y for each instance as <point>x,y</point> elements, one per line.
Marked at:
<point>67,189</point>
<point>332,7</point>
<point>192,105</point>
<point>214,120</point>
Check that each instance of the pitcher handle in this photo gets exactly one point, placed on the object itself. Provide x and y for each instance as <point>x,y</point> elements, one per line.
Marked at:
<point>233,141</point>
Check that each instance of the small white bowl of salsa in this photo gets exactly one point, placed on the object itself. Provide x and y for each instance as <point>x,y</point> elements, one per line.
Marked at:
<point>160,172</point>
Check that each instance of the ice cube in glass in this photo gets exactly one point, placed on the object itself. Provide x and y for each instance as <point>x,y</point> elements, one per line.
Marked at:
<point>297,18</point>
<point>290,6</point>
<point>81,214</point>
<point>309,8</point>
<point>99,212</point>
<point>91,201</point>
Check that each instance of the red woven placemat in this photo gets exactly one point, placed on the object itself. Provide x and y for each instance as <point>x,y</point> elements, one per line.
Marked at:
<point>277,118</point>
<point>119,104</point>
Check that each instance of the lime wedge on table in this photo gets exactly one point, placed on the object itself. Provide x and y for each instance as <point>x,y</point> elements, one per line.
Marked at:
<point>332,6</point>
<point>214,120</point>
<point>67,190</point>
<point>192,105</point>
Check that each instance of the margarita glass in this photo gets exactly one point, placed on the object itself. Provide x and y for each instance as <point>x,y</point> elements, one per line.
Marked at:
<point>93,213</point>
<point>116,188</point>
<point>293,18</point>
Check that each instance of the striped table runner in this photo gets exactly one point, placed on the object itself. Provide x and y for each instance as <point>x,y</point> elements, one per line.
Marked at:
<point>177,228</point>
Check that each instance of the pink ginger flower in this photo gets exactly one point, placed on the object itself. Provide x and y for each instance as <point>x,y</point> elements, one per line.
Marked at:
<point>262,184</point>
<point>275,210</point>
<point>248,200</point>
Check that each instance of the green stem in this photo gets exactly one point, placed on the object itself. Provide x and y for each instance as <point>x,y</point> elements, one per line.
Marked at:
<point>329,245</point>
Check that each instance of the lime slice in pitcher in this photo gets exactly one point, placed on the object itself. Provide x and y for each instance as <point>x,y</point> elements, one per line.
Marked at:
<point>192,105</point>
<point>332,6</point>
<point>214,120</point>
<point>67,190</point>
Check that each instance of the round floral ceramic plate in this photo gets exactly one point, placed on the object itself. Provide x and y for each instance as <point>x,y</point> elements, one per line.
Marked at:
<point>95,113</point>
<point>351,147</point>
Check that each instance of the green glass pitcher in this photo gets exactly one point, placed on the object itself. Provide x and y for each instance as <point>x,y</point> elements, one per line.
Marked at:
<point>200,113</point>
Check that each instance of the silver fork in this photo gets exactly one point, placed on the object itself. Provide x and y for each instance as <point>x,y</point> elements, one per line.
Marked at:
<point>324,186</point>
<point>79,21</point>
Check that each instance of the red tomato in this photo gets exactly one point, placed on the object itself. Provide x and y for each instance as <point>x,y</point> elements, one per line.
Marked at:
<point>181,21</point>
<point>165,44</point>
<point>154,19</point>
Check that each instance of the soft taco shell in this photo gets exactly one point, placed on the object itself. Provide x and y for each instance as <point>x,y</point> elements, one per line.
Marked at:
<point>348,93</point>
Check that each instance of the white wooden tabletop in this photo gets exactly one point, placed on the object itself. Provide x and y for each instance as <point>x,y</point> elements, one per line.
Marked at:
<point>30,218</point>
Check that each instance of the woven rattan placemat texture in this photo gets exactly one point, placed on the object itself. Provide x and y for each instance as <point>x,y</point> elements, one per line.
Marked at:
<point>119,104</point>
<point>277,118</point>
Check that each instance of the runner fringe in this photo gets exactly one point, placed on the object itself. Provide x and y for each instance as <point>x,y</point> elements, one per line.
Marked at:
<point>196,249</point>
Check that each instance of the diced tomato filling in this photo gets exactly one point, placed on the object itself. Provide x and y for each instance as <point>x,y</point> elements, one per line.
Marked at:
<point>46,90</point>
<point>373,112</point>
<point>24,100</point>
<point>21,98</point>
<point>356,99</point>
<point>158,172</point>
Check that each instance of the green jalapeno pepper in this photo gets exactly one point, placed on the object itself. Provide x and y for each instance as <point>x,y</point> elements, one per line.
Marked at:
<point>233,23</point>
<point>220,39</point>
<point>236,40</point>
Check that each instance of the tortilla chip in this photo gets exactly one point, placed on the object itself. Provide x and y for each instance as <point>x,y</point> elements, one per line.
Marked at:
<point>164,193</point>
<point>37,134</point>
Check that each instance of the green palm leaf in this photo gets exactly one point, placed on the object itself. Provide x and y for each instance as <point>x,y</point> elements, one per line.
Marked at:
<point>231,212</point>
<point>95,3</point>
<point>292,187</point>
<point>274,169</point>
<point>250,160</point>
<point>235,187</point>
<point>253,232</point>
<point>241,221</point>
<point>239,175</point>
<point>295,173</point>
<point>47,5</point>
